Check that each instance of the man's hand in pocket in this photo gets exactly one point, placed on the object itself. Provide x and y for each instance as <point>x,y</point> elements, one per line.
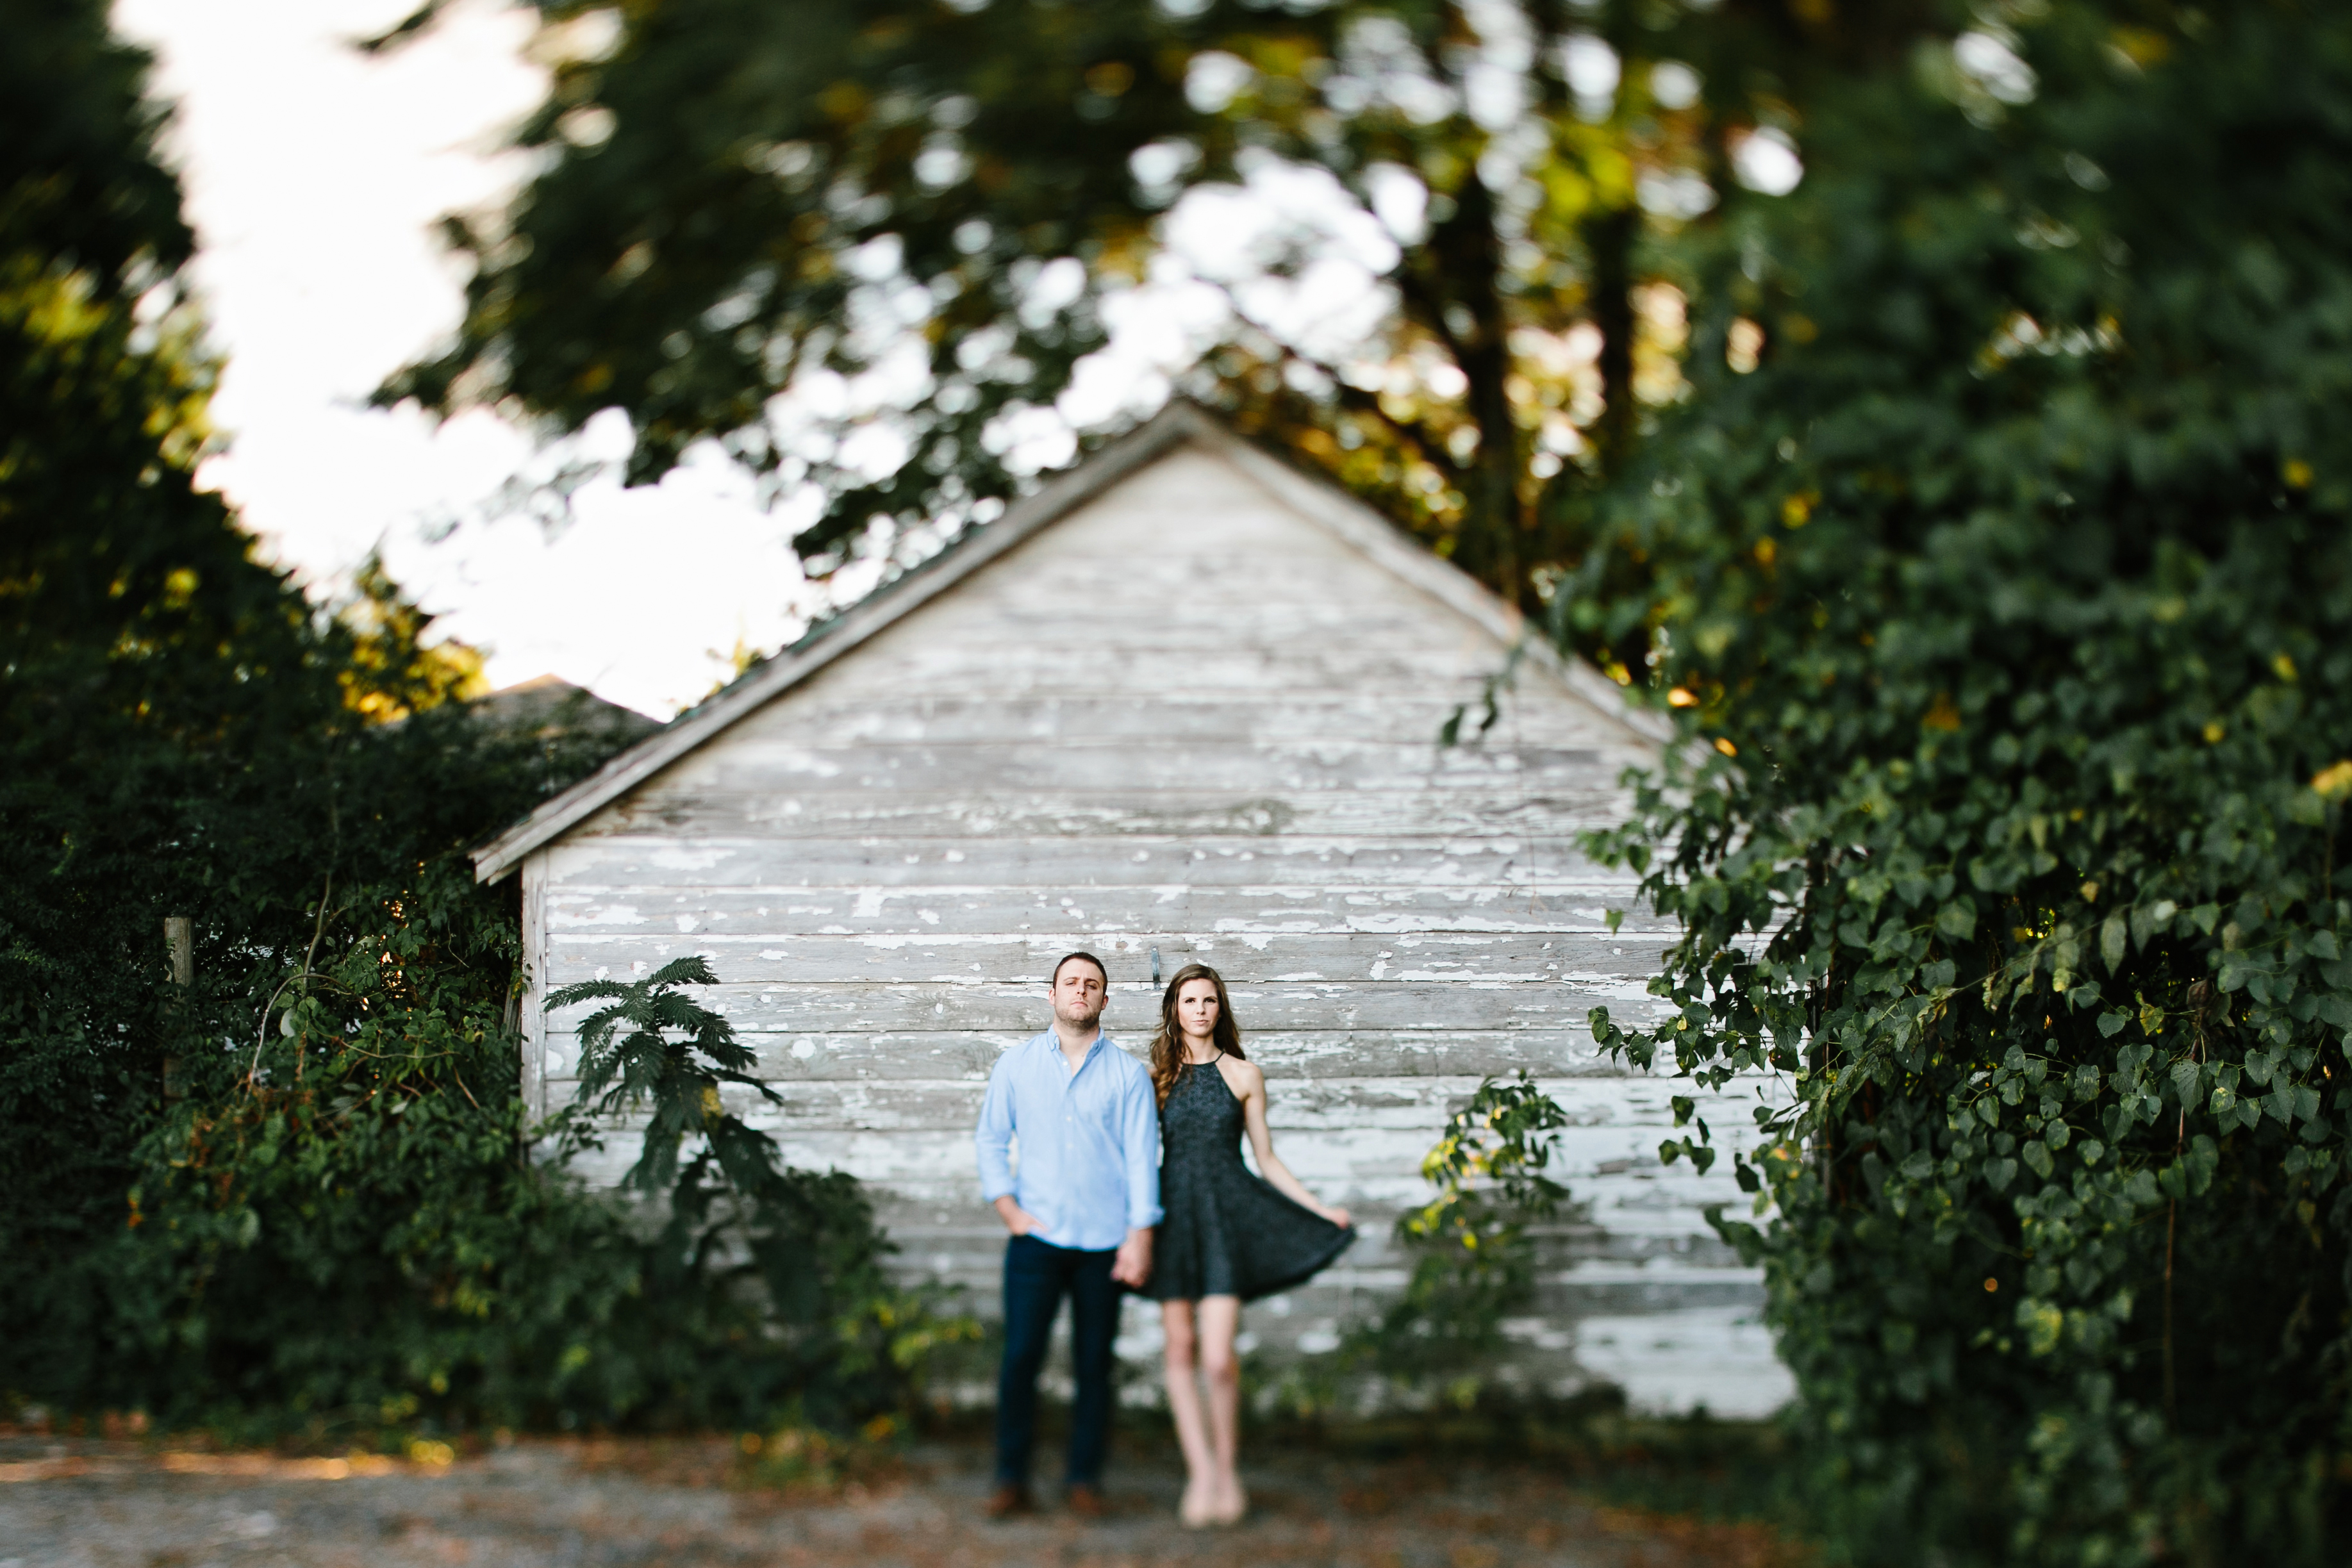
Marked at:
<point>1019,1220</point>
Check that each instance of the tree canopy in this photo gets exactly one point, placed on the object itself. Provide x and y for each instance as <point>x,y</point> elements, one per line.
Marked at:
<point>862,243</point>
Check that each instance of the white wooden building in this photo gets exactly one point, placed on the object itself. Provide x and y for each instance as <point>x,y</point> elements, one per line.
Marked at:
<point>1180,705</point>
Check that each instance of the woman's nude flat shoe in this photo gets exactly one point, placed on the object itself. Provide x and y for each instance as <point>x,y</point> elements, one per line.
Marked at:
<point>1235,1507</point>
<point>1193,1511</point>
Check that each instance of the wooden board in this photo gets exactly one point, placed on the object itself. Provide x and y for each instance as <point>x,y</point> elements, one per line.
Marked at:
<point>1414,957</point>
<point>1319,1057</point>
<point>1286,909</point>
<point>1013,1012</point>
<point>1065,864</point>
<point>961,817</point>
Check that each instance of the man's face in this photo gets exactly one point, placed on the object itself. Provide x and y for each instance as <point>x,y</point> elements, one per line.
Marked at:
<point>1080,994</point>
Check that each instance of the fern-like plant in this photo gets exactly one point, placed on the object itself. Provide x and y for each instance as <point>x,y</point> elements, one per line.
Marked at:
<point>804,1239</point>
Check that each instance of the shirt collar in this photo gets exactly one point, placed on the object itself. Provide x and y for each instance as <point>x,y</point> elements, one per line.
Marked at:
<point>1053,1043</point>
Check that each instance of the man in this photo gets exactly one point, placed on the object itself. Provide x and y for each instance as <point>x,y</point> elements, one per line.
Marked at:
<point>1081,1212</point>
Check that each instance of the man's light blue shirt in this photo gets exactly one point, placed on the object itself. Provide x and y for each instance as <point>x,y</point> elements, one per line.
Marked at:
<point>1090,1142</point>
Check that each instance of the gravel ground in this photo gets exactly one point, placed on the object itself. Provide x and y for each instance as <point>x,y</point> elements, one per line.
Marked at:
<point>90,1504</point>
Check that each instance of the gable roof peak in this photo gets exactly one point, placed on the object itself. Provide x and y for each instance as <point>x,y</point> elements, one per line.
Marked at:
<point>1182,422</point>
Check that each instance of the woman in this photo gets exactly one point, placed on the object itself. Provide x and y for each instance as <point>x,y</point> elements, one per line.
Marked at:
<point>1227,1237</point>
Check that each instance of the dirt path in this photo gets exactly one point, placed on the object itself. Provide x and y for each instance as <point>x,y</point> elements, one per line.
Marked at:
<point>543,1504</point>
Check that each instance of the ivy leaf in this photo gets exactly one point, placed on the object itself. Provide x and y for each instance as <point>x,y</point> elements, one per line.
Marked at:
<point>2113,933</point>
<point>2203,1158</point>
<point>1957,921</point>
<point>2043,1324</point>
<point>2186,1074</point>
<point>2111,1024</point>
<point>1998,1171</point>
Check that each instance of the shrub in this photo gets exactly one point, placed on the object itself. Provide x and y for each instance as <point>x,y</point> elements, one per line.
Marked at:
<point>341,1228</point>
<point>2013,590</point>
<point>1474,1258</point>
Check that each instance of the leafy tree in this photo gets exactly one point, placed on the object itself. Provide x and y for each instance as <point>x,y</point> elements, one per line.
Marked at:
<point>940,201</point>
<point>148,669</point>
<point>2013,588</point>
<point>296,1193</point>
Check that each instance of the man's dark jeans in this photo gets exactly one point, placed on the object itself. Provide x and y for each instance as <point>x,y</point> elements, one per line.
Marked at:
<point>1036,1276</point>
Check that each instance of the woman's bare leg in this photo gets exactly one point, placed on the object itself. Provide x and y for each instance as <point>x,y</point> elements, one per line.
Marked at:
<point>1220,1319</point>
<point>1184,1405</point>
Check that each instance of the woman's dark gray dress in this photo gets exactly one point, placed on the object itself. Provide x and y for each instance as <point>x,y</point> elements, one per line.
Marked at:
<point>1223,1231</point>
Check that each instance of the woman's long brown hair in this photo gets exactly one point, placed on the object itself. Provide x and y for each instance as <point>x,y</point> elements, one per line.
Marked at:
<point>1168,1062</point>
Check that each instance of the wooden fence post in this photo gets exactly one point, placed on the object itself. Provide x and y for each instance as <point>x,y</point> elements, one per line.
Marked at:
<point>180,936</point>
<point>180,939</point>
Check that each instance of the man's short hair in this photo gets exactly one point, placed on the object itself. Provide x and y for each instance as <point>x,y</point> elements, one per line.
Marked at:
<point>1088,957</point>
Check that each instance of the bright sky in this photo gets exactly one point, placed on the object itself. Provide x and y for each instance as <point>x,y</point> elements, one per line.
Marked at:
<point>314,175</point>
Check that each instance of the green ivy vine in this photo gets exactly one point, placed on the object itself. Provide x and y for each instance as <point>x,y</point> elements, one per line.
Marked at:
<point>2007,604</point>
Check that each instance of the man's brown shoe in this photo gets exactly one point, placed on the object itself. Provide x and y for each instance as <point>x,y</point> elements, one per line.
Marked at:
<point>1008,1501</point>
<point>1086,1500</point>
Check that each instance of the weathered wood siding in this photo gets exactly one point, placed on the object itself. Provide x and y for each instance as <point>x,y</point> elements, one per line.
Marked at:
<point>1186,717</point>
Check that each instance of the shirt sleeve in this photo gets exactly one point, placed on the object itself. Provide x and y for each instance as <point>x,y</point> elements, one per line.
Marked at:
<point>1140,1140</point>
<point>992,1140</point>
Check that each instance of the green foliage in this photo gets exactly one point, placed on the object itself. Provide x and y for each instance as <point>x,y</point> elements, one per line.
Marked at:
<point>83,189</point>
<point>342,1229</point>
<point>2014,589</point>
<point>155,684</point>
<point>297,1194</point>
<point>1473,1260</point>
<point>620,1072</point>
<point>338,1228</point>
